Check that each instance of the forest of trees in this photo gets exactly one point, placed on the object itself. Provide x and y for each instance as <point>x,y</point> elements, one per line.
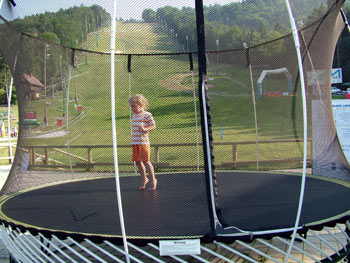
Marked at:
<point>4,82</point>
<point>66,27</point>
<point>249,21</point>
<point>342,54</point>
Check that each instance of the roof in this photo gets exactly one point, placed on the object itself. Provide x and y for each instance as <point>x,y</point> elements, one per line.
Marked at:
<point>32,81</point>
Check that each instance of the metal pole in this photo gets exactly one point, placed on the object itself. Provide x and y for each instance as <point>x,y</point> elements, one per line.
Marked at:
<point>303,93</point>
<point>205,119</point>
<point>114,135</point>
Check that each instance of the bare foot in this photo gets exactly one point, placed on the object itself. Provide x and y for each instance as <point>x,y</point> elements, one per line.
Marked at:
<point>153,185</point>
<point>143,186</point>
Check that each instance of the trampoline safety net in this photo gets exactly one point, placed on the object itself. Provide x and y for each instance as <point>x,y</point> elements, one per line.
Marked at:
<point>228,146</point>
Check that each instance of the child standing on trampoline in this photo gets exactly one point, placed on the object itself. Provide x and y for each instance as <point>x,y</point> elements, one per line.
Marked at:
<point>142,123</point>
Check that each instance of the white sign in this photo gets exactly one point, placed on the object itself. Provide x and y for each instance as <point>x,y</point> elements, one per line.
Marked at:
<point>318,77</point>
<point>337,76</point>
<point>341,113</point>
<point>179,247</point>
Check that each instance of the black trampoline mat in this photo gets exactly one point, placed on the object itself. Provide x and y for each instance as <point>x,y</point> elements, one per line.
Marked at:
<point>265,201</point>
<point>179,206</point>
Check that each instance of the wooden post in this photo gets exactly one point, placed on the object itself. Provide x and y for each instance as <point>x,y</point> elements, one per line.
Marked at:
<point>156,159</point>
<point>310,150</point>
<point>156,152</point>
<point>10,159</point>
<point>89,158</point>
<point>32,155</point>
<point>234,152</point>
<point>46,160</point>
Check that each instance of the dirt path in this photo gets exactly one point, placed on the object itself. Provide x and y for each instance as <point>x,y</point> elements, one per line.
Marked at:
<point>174,82</point>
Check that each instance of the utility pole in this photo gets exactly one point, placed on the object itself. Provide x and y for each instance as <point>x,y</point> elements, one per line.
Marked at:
<point>217,52</point>
<point>186,43</point>
<point>45,104</point>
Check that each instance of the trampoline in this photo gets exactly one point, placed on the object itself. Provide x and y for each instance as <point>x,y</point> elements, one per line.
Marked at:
<point>252,205</point>
<point>245,147</point>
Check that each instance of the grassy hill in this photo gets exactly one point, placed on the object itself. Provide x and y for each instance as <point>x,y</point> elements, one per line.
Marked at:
<point>168,84</point>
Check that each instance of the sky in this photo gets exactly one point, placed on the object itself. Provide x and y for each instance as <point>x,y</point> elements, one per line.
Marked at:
<point>126,9</point>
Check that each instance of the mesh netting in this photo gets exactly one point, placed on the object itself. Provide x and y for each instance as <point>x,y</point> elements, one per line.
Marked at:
<point>263,84</point>
<point>62,179</point>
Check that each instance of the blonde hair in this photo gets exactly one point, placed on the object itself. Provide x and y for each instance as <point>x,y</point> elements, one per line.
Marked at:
<point>140,100</point>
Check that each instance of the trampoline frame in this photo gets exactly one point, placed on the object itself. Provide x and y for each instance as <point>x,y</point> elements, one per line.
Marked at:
<point>223,234</point>
<point>333,245</point>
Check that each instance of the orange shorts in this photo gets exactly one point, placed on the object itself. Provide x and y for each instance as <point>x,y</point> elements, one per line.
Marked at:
<point>141,152</point>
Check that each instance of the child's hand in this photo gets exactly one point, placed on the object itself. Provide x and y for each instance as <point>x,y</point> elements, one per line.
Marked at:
<point>142,128</point>
<point>146,128</point>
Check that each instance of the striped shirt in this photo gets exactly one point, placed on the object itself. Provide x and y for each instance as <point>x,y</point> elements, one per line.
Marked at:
<point>144,119</point>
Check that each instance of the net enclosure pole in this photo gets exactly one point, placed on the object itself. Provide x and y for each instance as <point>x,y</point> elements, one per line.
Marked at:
<point>114,135</point>
<point>303,95</point>
<point>205,118</point>
<point>9,95</point>
<point>345,19</point>
<point>249,64</point>
<point>195,108</point>
<point>129,89</point>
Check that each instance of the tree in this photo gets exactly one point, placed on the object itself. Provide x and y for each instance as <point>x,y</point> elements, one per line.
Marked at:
<point>317,13</point>
<point>149,16</point>
<point>5,76</point>
<point>51,37</point>
<point>263,29</point>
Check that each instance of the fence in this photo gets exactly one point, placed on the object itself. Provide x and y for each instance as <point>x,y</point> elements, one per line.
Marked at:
<point>88,162</point>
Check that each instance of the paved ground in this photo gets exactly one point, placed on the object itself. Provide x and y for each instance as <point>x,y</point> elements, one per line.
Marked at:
<point>4,171</point>
<point>4,254</point>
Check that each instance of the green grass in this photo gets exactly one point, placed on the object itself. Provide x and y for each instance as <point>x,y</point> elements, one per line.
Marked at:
<point>171,104</point>
<point>338,97</point>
